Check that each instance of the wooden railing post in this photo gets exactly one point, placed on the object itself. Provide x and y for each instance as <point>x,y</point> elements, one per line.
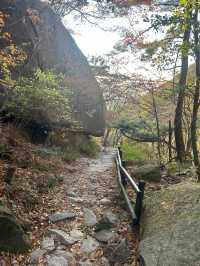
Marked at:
<point>120,152</point>
<point>124,181</point>
<point>139,199</point>
<point>141,186</point>
<point>124,178</point>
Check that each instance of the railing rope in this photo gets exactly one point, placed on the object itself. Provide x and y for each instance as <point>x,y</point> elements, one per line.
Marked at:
<point>123,179</point>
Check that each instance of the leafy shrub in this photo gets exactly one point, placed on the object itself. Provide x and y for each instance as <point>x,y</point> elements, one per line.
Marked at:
<point>70,156</point>
<point>42,167</point>
<point>90,148</point>
<point>135,152</point>
<point>41,97</point>
<point>45,152</point>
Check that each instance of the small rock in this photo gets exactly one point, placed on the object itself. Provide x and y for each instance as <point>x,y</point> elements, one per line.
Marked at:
<point>65,254</point>
<point>48,244</point>
<point>120,253</point>
<point>104,235</point>
<point>89,217</point>
<point>76,200</point>
<point>103,224</point>
<point>104,261</point>
<point>89,245</point>
<point>62,237</point>
<point>112,218</point>
<point>85,263</point>
<point>76,234</point>
<point>71,169</point>
<point>36,255</point>
<point>71,194</point>
<point>105,201</point>
<point>56,261</point>
<point>61,216</point>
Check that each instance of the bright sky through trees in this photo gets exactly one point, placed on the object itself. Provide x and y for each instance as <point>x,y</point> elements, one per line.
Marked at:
<point>99,38</point>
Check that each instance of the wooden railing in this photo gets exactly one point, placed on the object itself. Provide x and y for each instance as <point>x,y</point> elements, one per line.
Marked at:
<point>124,178</point>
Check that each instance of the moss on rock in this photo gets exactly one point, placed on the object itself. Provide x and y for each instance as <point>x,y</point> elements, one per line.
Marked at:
<point>170,226</point>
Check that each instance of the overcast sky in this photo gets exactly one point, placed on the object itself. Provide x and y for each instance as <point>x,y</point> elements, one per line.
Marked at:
<point>100,40</point>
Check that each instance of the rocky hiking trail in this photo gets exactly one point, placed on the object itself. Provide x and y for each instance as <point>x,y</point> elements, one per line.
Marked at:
<point>84,220</point>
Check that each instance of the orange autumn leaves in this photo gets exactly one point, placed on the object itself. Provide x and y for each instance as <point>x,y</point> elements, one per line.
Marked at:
<point>10,54</point>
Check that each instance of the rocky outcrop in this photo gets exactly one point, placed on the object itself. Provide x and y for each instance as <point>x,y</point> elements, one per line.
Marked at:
<point>13,238</point>
<point>35,28</point>
<point>170,227</point>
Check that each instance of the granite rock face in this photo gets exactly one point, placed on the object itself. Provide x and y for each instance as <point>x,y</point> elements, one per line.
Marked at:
<point>170,227</point>
<point>49,45</point>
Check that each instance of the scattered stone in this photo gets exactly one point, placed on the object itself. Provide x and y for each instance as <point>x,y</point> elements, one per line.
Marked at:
<point>57,217</point>
<point>104,261</point>
<point>56,261</point>
<point>76,234</point>
<point>103,224</point>
<point>76,200</point>
<point>13,239</point>
<point>71,194</point>
<point>71,169</point>
<point>48,244</point>
<point>89,245</point>
<point>120,253</point>
<point>89,217</point>
<point>111,217</point>
<point>105,201</point>
<point>36,255</point>
<point>65,254</point>
<point>62,237</point>
<point>104,235</point>
<point>85,263</point>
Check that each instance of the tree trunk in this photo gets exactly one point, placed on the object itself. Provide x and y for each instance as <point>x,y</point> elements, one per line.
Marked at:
<point>196,96</point>
<point>178,127</point>
<point>157,123</point>
<point>170,141</point>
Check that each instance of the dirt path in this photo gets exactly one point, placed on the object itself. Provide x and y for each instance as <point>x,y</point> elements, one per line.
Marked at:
<point>83,221</point>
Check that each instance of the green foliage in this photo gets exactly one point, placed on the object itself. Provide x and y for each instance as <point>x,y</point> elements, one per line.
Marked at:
<point>90,148</point>
<point>51,182</point>
<point>136,152</point>
<point>70,156</point>
<point>40,97</point>
<point>45,152</point>
<point>42,167</point>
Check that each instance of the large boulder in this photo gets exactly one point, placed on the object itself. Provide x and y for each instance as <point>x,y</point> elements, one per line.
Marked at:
<point>49,45</point>
<point>13,238</point>
<point>170,226</point>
